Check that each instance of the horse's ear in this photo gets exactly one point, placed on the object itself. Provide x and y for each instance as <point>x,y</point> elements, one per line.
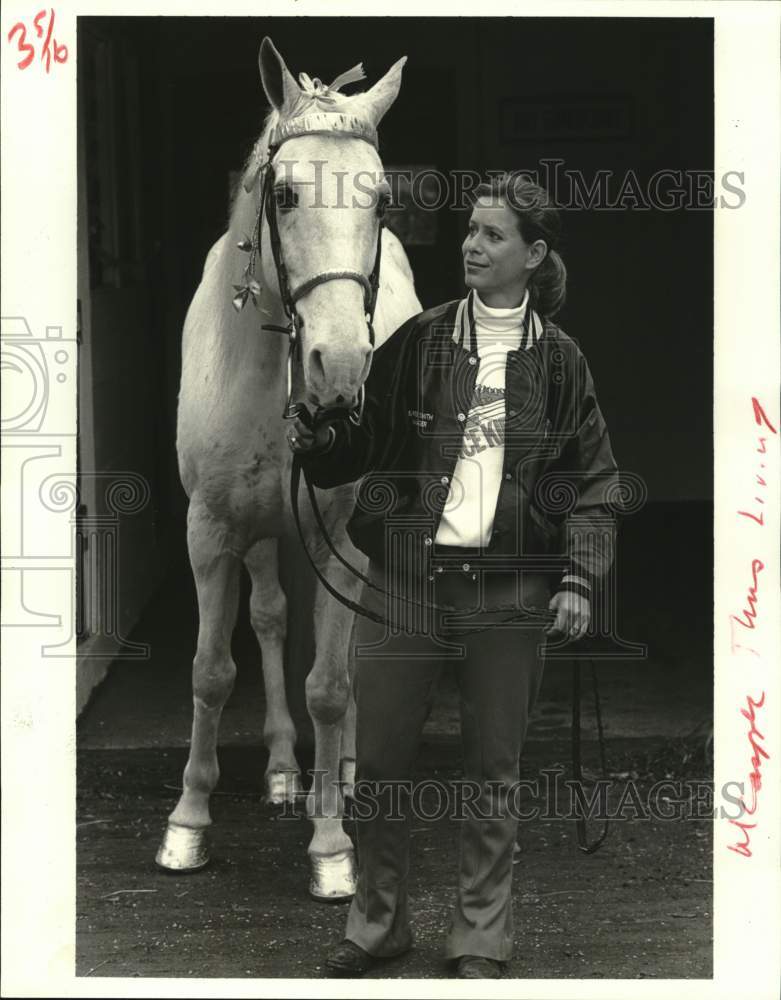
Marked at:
<point>377,100</point>
<point>281,89</point>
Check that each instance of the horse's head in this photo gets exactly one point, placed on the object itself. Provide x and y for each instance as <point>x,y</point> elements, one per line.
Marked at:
<point>328,194</point>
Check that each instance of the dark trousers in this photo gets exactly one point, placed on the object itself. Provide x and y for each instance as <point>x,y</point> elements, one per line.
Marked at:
<point>499,672</point>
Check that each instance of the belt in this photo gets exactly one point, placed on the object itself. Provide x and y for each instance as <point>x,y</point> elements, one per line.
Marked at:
<point>454,559</point>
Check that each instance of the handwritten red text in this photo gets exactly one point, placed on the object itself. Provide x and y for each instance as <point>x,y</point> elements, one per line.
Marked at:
<point>50,50</point>
<point>760,418</point>
<point>758,754</point>
<point>747,618</point>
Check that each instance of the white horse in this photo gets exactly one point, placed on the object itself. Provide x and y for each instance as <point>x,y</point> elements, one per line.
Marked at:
<point>233,457</point>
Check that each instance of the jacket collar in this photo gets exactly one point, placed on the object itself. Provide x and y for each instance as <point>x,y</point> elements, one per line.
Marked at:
<point>464,327</point>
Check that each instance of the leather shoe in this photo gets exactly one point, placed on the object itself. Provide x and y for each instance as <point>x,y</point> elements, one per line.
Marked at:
<point>479,967</point>
<point>349,960</point>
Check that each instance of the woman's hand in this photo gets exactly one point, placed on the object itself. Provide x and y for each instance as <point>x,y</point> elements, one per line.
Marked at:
<point>573,615</point>
<point>301,438</point>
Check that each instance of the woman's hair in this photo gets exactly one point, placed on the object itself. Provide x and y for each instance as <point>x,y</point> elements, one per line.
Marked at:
<point>538,219</point>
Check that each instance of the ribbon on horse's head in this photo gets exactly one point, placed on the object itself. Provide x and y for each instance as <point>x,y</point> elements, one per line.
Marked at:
<point>305,121</point>
<point>327,92</point>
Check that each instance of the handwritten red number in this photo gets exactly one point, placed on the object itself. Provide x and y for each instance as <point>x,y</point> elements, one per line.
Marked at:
<point>46,54</point>
<point>49,49</point>
<point>23,45</point>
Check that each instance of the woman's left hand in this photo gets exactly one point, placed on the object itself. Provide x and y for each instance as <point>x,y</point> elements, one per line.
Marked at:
<point>573,615</point>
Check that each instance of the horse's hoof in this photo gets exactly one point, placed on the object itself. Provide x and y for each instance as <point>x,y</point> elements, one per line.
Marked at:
<point>183,849</point>
<point>348,776</point>
<point>333,877</point>
<point>282,787</point>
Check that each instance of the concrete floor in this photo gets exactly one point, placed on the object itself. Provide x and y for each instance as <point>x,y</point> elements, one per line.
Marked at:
<point>639,908</point>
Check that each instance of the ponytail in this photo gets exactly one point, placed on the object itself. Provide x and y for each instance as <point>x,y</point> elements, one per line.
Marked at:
<point>548,285</point>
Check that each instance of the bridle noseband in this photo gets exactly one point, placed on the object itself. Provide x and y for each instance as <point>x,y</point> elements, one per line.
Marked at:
<point>290,296</point>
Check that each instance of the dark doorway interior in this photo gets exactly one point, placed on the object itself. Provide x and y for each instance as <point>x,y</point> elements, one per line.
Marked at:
<point>170,106</point>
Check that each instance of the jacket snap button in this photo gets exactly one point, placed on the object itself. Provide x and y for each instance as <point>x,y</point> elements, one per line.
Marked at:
<point>427,540</point>
<point>444,480</point>
<point>431,576</point>
<point>462,417</point>
<point>472,360</point>
<point>465,567</point>
<point>508,476</point>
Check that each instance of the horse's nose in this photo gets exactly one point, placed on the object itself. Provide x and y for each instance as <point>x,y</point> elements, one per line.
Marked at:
<point>317,365</point>
<point>334,378</point>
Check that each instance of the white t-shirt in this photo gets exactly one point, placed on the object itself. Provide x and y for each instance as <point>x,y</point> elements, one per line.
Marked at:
<point>468,515</point>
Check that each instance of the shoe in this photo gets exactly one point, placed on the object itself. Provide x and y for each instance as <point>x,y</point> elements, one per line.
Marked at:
<point>479,967</point>
<point>349,960</point>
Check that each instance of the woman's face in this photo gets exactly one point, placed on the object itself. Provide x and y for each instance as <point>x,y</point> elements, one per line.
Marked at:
<point>497,261</point>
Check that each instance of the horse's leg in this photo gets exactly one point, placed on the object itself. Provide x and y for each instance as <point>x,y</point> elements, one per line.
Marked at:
<point>348,740</point>
<point>216,572</point>
<point>268,613</point>
<point>327,695</point>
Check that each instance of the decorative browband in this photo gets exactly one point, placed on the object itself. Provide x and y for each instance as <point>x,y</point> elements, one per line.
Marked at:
<point>330,122</point>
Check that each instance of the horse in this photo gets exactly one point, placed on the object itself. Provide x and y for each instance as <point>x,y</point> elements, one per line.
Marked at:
<point>317,159</point>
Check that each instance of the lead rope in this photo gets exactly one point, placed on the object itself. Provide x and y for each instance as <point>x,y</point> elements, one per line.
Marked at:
<point>580,820</point>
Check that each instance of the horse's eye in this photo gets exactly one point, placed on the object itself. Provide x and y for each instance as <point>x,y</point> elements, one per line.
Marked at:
<point>285,197</point>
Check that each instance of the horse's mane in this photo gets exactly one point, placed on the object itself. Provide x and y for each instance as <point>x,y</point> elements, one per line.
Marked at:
<point>255,155</point>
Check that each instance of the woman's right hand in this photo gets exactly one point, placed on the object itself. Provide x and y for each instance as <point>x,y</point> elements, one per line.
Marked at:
<point>301,439</point>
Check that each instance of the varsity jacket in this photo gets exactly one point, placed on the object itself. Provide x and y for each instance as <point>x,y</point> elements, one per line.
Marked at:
<point>553,512</point>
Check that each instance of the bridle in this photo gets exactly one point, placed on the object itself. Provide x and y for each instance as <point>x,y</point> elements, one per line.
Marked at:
<point>370,285</point>
<point>310,125</point>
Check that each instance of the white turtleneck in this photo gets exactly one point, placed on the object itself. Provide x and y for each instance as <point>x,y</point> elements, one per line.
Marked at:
<point>468,516</point>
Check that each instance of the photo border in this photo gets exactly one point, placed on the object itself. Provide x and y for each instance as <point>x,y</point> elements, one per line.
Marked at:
<point>39,284</point>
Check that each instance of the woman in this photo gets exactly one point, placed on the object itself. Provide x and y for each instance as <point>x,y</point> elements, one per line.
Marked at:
<point>480,415</point>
